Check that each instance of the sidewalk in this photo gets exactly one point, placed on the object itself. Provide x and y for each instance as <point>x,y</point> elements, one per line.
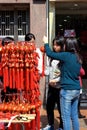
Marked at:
<point>83,122</point>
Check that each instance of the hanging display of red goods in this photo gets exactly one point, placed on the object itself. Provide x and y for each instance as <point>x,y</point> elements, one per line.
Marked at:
<point>19,64</point>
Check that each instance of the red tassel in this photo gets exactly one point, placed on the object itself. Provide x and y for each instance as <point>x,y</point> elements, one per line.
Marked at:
<point>4,78</point>
<point>27,126</point>
<point>13,76</point>
<point>33,122</point>
<point>22,78</point>
<point>27,79</point>
<point>18,79</point>
<point>10,77</point>
<point>31,79</point>
<point>7,76</point>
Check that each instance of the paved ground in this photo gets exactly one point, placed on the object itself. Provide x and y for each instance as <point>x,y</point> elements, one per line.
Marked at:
<point>83,122</point>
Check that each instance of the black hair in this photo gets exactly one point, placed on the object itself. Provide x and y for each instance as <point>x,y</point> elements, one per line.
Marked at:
<point>29,36</point>
<point>7,40</point>
<point>59,41</point>
<point>72,45</point>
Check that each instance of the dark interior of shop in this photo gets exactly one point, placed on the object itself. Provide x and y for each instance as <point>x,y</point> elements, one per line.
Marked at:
<point>79,23</point>
<point>72,15</point>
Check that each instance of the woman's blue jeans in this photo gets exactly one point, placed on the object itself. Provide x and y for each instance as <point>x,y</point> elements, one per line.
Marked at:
<point>69,109</point>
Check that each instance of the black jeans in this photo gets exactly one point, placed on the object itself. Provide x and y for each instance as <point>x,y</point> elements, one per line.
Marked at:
<point>53,98</point>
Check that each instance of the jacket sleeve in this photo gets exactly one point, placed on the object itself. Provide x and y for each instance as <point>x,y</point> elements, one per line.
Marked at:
<point>58,56</point>
<point>82,72</point>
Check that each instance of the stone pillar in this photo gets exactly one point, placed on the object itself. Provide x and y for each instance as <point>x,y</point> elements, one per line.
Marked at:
<point>38,20</point>
<point>51,21</point>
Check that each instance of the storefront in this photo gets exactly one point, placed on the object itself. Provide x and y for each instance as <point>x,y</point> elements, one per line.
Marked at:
<point>68,14</point>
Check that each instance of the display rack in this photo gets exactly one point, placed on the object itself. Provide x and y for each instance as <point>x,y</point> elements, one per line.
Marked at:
<point>21,83</point>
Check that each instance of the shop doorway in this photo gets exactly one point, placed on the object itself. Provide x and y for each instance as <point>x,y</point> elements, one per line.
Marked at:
<point>79,23</point>
<point>72,15</point>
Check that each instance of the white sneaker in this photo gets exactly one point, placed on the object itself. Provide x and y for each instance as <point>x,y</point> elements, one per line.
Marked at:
<point>48,127</point>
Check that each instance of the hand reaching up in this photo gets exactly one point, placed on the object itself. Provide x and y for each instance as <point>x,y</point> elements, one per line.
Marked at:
<point>45,39</point>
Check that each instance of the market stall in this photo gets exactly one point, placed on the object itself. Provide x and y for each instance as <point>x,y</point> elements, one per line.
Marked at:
<point>21,84</point>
